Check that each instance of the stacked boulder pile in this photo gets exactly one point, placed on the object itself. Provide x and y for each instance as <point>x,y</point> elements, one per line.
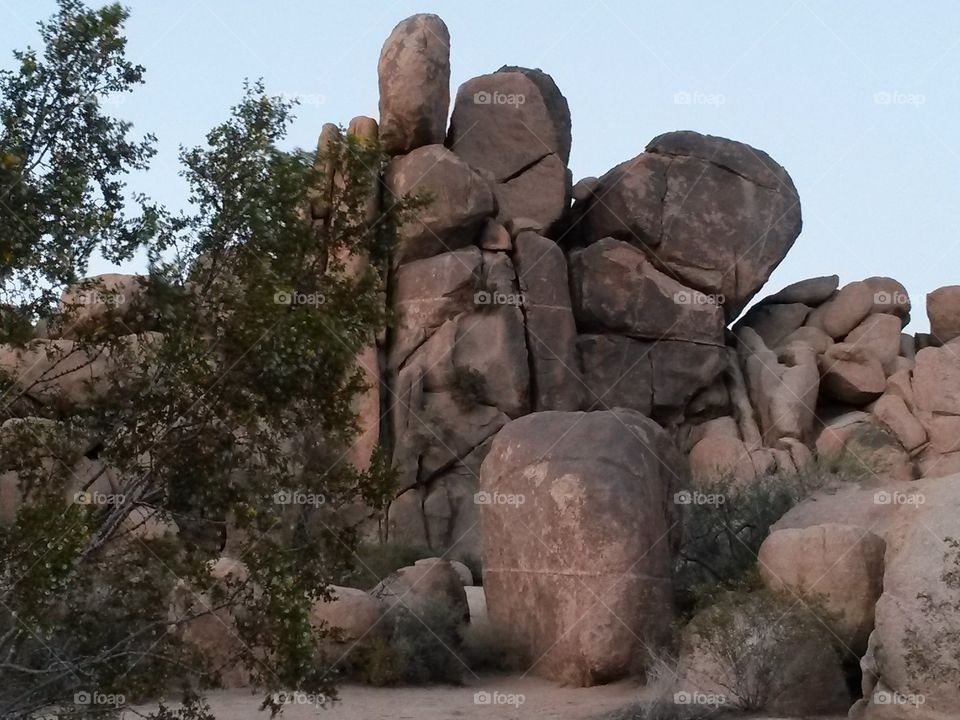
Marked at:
<point>565,358</point>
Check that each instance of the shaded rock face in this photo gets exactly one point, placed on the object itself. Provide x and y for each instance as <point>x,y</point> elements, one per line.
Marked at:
<point>577,535</point>
<point>514,125</point>
<point>414,75</point>
<point>717,214</point>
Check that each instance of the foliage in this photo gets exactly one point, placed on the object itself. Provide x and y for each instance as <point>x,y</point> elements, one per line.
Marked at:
<point>756,640</point>
<point>228,425</point>
<point>939,663</point>
<point>721,539</point>
<point>62,160</point>
<point>373,562</point>
<point>423,645</point>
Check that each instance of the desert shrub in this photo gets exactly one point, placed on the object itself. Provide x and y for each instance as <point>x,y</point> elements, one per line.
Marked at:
<point>942,665</point>
<point>486,648</point>
<point>375,561</point>
<point>423,646</point>
<point>757,644</point>
<point>721,538</point>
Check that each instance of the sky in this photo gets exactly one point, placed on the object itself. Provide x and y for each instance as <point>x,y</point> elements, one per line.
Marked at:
<point>858,100</point>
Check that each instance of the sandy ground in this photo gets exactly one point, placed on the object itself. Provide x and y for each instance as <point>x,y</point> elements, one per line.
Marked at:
<point>506,698</point>
<point>489,698</point>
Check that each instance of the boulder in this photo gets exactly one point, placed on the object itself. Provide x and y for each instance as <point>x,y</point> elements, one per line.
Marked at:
<point>616,288</point>
<point>429,292</point>
<point>851,374</point>
<point>844,312</point>
<point>577,540</point>
<point>495,237</point>
<point>617,372</point>
<point>460,202</point>
<point>88,304</point>
<point>893,413</point>
<point>718,214</point>
<point>890,297</point>
<point>943,310</point>
<point>865,448</point>
<point>811,292</point>
<point>814,337</point>
<point>936,381</point>
<point>350,616</point>
<point>721,459</point>
<point>514,125</point>
<point>463,572</point>
<point>878,334</point>
<point>911,669</point>
<point>419,586</point>
<point>414,77</point>
<point>835,570</point>
<point>551,330</point>
<point>773,323</point>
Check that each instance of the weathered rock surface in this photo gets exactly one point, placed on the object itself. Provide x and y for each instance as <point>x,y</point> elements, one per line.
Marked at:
<point>943,310</point>
<point>422,584</point>
<point>550,327</point>
<point>351,615</point>
<point>718,214</point>
<point>461,201</point>
<point>560,483</point>
<point>414,75</point>
<point>836,570</point>
<point>851,374</point>
<point>811,292</point>
<point>616,288</point>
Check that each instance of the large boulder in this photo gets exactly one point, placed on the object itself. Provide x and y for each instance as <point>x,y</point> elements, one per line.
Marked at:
<point>577,519</point>
<point>811,292</point>
<point>851,374</point>
<point>87,305</point>
<point>774,322</point>
<point>943,310</point>
<point>414,75</point>
<point>836,570</point>
<point>879,335</point>
<point>350,616</point>
<point>911,669</point>
<point>844,312</point>
<point>514,125</point>
<point>616,288</point>
<point>719,214</point>
<point>460,202</point>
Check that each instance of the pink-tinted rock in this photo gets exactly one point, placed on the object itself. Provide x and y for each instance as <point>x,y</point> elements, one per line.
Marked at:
<point>811,292</point>
<point>943,309</point>
<point>893,412</point>
<point>577,540</point>
<point>890,296</point>
<point>851,374</point>
<point>721,459</point>
<point>879,334</point>
<point>845,311</point>
<point>414,75</point>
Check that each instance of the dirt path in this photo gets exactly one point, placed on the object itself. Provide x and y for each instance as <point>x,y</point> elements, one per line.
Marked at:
<point>505,698</point>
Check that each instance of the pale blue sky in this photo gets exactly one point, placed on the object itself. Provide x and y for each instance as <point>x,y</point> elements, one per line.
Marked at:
<point>879,181</point>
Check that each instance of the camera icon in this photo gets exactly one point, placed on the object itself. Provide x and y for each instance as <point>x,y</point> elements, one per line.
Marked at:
<point>682,98</point>
<point>683,297</point>
<point>684,497</point>
<point>283,497</point>
<point>682,698</point>
<point>883,697</point>
<point>482,97</point>
<point>83,498</point>
<point>482,698</point>
<point>482,297</point>
<point>882,498</point>
<point>82,698</point>
<point>482,498</point>
<point>882,98</point>
<point>282,298</point>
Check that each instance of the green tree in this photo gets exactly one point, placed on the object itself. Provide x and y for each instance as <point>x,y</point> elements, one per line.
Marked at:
<point>220,415</point>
